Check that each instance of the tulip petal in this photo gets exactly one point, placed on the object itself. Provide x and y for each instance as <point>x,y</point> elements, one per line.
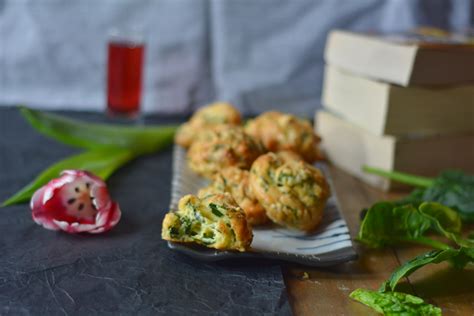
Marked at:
<point>76,202</point>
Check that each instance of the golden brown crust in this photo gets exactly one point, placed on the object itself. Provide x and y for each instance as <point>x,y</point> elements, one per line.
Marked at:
<point>236,182</point>
<point>168,222</point>
<point>221,147</point>
<point>242,230</point>
<point>208,116</point>
<point>292,191</point>
<point>280,131</point>
<point>215,221</point>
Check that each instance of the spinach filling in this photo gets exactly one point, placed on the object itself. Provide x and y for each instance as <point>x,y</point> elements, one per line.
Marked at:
<point>292,210</point>
<point>218,210</point>
<point>215,210</point>
<point>284,178</point>
<point>174,232</point>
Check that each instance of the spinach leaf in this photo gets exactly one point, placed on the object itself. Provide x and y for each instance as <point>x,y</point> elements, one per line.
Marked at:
<point>388,223</point>
<point>445,221</point>
<point>458,257</point>
<point>451,188</point>
<point>395,303</point>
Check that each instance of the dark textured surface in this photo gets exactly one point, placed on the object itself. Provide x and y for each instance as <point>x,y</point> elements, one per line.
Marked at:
<point>127,271</point>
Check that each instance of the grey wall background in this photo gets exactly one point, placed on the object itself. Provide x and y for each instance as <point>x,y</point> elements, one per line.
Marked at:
<point>258,54</point>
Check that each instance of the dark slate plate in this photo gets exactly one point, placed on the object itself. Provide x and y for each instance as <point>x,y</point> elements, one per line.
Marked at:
<point>330,244</point>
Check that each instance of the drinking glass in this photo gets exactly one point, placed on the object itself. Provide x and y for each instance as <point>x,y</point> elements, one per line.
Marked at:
<point>124,71</point>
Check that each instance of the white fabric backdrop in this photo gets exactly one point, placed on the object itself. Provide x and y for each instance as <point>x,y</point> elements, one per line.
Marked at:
<point>259,54</point>
<point>53,52</point>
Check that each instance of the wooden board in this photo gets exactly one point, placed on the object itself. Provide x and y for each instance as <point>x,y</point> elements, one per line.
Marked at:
<point>326,291</point>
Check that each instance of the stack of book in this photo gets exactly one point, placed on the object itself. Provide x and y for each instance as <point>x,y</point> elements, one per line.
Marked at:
<point>402,103</point>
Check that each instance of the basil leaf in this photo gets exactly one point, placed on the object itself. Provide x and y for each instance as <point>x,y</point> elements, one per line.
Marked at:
<point>101,162</point>
<point>140,139</point>
<point>458,257</point>
<point>395,303</point>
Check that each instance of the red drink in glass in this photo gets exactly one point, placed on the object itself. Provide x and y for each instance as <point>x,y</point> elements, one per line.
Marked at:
<point>124,77</point>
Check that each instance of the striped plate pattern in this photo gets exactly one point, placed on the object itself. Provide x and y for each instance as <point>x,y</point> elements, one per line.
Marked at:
<point>328,245</point>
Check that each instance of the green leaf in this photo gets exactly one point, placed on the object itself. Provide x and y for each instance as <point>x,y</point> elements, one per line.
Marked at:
<point>395,303</point>
<point>445,221</point>
<point>110,146</point>
<point>458,257</point>
<point>140,139</point>
<point>443,218</point>
<point>387,224</point>
<point>470,235</point>
<point>101,162</point>
<point>453,188</point>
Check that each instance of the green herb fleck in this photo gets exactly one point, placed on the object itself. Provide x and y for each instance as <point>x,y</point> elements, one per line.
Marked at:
<point>215,210</point>
<point>174,232</point>
<point>208,235</point>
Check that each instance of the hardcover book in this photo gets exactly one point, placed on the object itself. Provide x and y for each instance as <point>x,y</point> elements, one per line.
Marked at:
<point>387,109</point>
<point>350,147</point>
<point>405,59</point>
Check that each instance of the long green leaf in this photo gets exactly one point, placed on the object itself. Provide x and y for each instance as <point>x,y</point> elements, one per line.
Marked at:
<point>141,139</point>
<point>101,162</point>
